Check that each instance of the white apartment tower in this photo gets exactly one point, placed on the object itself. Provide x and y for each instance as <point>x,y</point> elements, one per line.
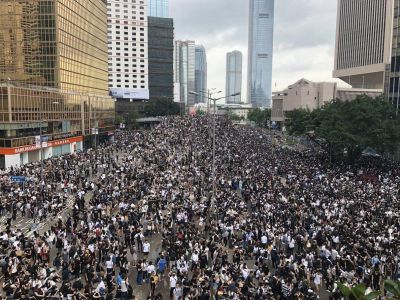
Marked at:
<point>128,49</point>
<point>363,42</point>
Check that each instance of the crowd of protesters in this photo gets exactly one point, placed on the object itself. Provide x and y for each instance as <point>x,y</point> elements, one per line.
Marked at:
<point>283,224</point>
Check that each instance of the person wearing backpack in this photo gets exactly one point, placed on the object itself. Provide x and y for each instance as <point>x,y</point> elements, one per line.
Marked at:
<point>123,286</point>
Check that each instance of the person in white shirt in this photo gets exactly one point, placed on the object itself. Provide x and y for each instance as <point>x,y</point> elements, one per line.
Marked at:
<point>109,265</point>
<point>101,287</point>
<point>318,281</point>
<point>195,261</point>
<point>173,279</point>
<point>264,240</point>
<point>334,254</point>
<point>124,288</point>
<point>245,271</point>
<point>150,269</point>
<point>146,248</point>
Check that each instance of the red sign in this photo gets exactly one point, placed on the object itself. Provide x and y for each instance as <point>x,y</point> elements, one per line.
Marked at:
<point>10,151</point>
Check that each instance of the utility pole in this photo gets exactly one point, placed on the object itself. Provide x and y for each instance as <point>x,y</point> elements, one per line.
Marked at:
<point>213,139</point>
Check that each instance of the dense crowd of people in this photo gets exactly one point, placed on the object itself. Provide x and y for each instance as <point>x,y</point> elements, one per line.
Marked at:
<point>283,224</point>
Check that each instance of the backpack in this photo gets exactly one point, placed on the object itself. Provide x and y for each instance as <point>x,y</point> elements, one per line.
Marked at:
<point>102,291</point>
<point>3,262</point>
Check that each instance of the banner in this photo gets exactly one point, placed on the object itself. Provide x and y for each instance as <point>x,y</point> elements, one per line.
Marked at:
<point>37,141</point>
<point>141,94</point>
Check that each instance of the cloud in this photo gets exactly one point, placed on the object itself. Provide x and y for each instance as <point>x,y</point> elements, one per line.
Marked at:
<point>304,37</point>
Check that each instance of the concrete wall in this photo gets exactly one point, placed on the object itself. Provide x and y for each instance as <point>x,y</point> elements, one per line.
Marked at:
<point>277,109</point>
<point>327,92</point>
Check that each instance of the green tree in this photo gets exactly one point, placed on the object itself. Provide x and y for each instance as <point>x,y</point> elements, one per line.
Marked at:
<point>232,116</point>
<point>200,112</point>
<point>161,107</point>
<point>393,288</point>
<point>348,128</point>
<point>260,116</point>
<point>298,121</point>
<point>119,119</point>
<point>357,292</point>
<point>131,118</point>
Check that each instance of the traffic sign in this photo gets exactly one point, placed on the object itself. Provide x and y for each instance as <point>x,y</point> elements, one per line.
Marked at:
<point>19,179</point>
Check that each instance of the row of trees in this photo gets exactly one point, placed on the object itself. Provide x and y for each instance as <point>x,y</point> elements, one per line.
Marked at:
<point>154,108</point>
<point>261,117</point>
<point>346,129</point>
<point>161,107</point>
<point>360,291</point>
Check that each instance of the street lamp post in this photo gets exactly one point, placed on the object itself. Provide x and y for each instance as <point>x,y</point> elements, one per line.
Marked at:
<point>41,148</point>
<point>213,153</point>
<point>213,147</point>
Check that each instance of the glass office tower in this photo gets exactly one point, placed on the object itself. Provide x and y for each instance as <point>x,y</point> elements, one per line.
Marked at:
<point>53,78</point>
<point>184,73</point>
<point>261,32</point>
<point>161,58</point>
<point>200,74</point>
<point>159,8</point>
<point>233,76</point>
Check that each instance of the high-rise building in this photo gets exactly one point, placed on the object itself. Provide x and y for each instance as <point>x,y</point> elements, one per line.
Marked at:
<point>184,73</point>
<point>392,83</point>
<point>128,50</point>
<point>233,76</point>
<point>53,78</point>
<point>363,42</point>
<point>159,8</point>
<point>161,58</point>
<point>200,74</point>
<point>261,40</point>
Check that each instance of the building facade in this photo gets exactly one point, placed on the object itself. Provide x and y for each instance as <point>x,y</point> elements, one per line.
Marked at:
<point>128,50</point>
<point>184,73</point>
<point>161,58</point>
<point>305,94</point>
<point>53,78</point>
<point>261,39</point>
<point>159,8</point>
<point>233,76</point>
<point>392,83</point>
<point>200,74</point>
<point>363,42</point>
<point>302,94</point>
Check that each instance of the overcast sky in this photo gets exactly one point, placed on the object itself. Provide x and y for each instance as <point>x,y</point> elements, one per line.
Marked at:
<point>304,36</point>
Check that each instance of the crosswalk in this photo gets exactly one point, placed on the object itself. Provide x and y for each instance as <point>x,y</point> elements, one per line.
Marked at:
<point>3,219</point>
<point>70,202</point>
<point>27,226</point>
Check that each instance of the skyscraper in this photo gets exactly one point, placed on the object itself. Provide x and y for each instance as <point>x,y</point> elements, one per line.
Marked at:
<point>161,58</point>
<point>128,50</point>
<point>184,73</point>
<point>53,78</point>
<point>159,8</point>
<point>200,74</point>
<point>363,42</point>
<point>261,39</point>
<point>233,76</point>
<point>392,83</point>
